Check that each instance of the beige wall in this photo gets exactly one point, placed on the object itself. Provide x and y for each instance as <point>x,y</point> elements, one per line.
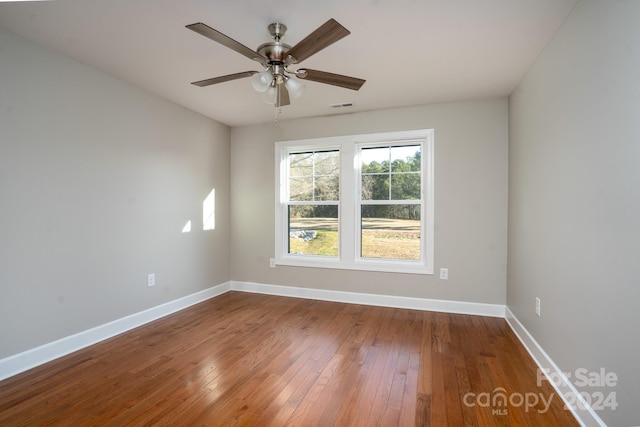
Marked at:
<point>470,201</point>
<point>97,180</point>
<point>574,198</point>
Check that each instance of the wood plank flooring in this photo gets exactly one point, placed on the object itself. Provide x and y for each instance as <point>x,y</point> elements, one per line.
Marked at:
<point>246,359</point>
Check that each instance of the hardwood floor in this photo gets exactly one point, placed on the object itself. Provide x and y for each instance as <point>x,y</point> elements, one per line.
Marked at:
<point>248,359</point>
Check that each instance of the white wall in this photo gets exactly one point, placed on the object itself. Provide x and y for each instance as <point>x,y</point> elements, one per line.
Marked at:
<point>470,201</point>
<point>97,180</point>
<point>574,198</point>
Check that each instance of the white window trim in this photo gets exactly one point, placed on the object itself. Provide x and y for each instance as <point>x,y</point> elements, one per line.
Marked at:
<point>349,208</point>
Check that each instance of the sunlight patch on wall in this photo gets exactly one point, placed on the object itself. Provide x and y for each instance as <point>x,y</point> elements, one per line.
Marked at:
<point>187,227</point>
<point>209,211</point>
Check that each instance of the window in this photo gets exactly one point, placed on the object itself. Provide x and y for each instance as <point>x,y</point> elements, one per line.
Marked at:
<point>390,201</point>
<point>361,202</point>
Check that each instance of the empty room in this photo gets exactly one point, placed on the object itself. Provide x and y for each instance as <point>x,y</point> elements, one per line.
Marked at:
<point>371,212</point>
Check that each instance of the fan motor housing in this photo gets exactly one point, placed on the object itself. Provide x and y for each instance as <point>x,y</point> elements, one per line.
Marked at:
<point>275,52</point>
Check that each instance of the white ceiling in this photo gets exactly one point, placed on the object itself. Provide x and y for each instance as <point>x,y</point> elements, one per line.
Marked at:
<point>410,52</point>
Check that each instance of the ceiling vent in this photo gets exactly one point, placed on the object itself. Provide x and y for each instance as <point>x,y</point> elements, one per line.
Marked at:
<point>342,105</point>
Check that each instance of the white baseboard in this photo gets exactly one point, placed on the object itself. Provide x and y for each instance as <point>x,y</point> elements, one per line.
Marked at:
<point>586,417</point>
<point>460,307</point>
<point>26,360</point>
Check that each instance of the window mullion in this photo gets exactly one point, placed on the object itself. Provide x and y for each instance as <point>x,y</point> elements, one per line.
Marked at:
<point>347,213</point>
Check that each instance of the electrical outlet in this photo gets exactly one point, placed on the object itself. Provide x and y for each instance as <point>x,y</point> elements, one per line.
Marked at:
<point>151,279</point>
<point>272,263</point>
<point>538,306</point>
<point>444,273</point>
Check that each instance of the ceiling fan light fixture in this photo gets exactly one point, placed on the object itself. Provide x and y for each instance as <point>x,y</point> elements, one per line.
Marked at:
<point>262,81</point>
<point>294,87</point>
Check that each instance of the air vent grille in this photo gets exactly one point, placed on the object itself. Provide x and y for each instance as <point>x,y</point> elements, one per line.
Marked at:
<point>342,105</point>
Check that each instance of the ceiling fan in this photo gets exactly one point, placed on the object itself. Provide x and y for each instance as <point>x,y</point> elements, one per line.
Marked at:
<point>278,82</point>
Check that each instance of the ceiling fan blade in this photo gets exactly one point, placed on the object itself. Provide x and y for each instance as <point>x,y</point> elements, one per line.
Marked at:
<point>282,97</point>
<point>352,83</point>
<point>227,41</point>
<point>228,77</point>
<point>327,34</point>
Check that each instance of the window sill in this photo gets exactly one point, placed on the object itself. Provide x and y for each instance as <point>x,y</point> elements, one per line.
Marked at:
<point>406,267</point>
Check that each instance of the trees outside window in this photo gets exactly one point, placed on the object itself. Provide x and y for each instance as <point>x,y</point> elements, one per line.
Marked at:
<point>390,201</point>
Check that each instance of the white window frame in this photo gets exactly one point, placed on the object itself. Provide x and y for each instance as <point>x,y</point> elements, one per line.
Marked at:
<point>349,203</point>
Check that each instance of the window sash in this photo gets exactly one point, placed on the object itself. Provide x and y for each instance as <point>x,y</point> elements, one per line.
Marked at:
<point>301,231</point>
<point>315,178</point>
<point>360,202</point>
